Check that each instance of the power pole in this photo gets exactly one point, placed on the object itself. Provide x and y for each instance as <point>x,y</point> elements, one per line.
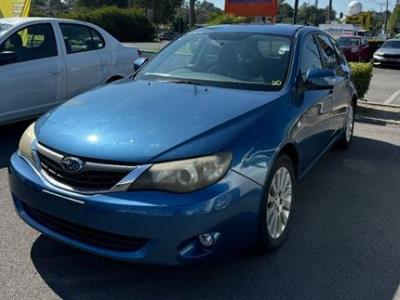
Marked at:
<point>191,13</point>
<point>296,9</point>
<point>386,15</point>
<point>329,11</point>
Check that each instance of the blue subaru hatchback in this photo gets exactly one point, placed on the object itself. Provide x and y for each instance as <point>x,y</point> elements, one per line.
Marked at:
<point>197,154</point>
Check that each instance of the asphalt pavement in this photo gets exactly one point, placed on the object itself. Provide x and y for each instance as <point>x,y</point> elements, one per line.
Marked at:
<point>385,86</point>
<point>345,242</point>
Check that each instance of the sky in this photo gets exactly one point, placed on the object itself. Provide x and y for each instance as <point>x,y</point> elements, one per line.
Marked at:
<point>338,5</point>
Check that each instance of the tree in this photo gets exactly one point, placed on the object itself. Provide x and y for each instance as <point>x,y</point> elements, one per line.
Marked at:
<point>164,9</point>
<point>285,12</point>
<point>205,10</point>
<point>101,3</point>
<point>312,15</point>
<point>394,20</point>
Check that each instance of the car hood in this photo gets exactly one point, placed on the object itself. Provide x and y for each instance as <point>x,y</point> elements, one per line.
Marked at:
<point>392,51</point>
<point>137,121</point>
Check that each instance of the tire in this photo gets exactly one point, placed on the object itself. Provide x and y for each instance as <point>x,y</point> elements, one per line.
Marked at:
<point>344,141</point>
<point>268,239</point>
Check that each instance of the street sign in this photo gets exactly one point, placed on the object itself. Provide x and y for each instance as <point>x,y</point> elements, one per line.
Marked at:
<point>252,8</point>
<point>363,19</point>
<point>14,8</point>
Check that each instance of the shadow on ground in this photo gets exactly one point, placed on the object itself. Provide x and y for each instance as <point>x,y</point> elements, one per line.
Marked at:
<point>9,139</point>
<point>345,244</point>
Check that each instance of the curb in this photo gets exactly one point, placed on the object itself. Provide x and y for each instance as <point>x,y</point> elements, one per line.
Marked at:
<point>377,113</point>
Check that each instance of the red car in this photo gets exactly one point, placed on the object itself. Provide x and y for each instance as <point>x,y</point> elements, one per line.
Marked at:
<point>355,48</point>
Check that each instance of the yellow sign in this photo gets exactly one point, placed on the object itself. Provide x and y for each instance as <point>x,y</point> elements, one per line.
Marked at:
<point>364,19</point>
<point>14,8</point>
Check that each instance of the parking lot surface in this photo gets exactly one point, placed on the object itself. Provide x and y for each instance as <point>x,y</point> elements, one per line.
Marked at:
<point>345,242</point>
<point>385,86</point>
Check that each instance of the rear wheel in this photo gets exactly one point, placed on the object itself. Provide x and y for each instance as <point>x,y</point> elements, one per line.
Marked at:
<point>277,206</point>
<point>347,136</point>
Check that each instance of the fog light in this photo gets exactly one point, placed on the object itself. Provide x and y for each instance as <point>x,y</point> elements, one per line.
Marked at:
<point>206,239</point>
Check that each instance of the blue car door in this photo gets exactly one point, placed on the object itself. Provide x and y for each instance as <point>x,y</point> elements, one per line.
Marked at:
<point>313,129</point>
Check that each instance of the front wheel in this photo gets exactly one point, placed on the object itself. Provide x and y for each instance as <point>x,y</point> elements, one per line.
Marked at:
<point>277,206</point>
<point>347,136</point>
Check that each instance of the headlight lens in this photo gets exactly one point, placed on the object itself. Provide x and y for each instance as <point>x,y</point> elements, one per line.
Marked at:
<point>185,175</point>
<point>26,141</point>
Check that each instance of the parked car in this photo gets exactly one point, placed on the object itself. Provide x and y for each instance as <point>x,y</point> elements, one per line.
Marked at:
<point>355,48</point>
<point>45,61</point>
<point>195,156</point>
<point>167,35</point>
<point>388,54</point>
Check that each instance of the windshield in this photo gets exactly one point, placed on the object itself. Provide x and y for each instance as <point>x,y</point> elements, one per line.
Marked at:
<point>348,42</point>
<point>4,28</point>
<point>229,59</point>
<point>391,44</point>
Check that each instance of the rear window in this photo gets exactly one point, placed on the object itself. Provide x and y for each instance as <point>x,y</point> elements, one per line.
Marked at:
<point>346,42</point>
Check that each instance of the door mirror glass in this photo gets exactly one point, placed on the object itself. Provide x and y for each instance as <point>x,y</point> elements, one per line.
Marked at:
<point>7,57</point>
<point>141,61</point>
<point>320,79</point>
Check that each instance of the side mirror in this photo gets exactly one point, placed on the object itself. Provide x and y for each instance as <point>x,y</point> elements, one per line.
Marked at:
<point>7,57</point>
<point>138,63</point>
<point>320,79</point>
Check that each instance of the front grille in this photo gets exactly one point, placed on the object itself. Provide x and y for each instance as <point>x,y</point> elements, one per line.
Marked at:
<point>88,180</point>
<point>85,234</point>
<point>391,55</point>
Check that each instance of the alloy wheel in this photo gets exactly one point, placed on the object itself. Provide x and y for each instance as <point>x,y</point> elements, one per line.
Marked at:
<point>279,202</point>
<point>350,124</point>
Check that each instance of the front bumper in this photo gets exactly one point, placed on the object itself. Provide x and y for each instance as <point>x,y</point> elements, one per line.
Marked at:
<point>383,61</point>
<point>168,223</point>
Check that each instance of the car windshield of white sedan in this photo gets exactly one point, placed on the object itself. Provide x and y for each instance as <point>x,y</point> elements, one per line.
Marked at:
<point>4,28</point>
<point>391,44</point>
<point>240,60</point>
<point>348,42</point>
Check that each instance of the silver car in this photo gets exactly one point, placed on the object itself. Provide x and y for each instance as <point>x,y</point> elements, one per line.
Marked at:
<point>45,61</point>
<point>388,54</point>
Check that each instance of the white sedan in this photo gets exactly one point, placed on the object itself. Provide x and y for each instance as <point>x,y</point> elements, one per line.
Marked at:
<point>45,61</point>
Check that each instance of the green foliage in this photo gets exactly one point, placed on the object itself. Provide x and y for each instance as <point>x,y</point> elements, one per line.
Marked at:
<point>164,9</point>
<point>101,3</point>
<point>312,15</point>
<point>394,20</point>
<point>285,12</point>
<point>361,75</point>
<point>128,24</point>
<point>222,18</point>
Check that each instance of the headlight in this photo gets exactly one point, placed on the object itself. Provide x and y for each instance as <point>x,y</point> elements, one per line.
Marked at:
<point>184,176</point>
<point>354,50</point>
<point>26,141</point>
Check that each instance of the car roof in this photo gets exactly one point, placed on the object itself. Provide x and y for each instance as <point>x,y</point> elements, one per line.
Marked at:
<point>27,20</point>
<point>278,29</point>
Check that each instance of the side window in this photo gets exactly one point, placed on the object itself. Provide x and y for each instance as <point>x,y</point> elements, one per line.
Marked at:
<point>77,38</point>
<point>32,42</point>
<point>328,52</point>
<point>98,40</point>
<point>310,57</point>
<point>339,53</point>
